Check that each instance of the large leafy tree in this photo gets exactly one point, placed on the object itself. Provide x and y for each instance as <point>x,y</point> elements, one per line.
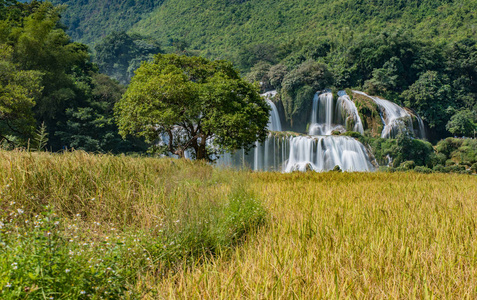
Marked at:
<point>191,103</point>
<point>17,91</point>
<point>430,96</point>
<point>461,123</point>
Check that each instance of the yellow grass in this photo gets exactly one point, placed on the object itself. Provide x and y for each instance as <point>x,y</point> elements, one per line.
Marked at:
<point>347,236</point>
<point>328,235</point>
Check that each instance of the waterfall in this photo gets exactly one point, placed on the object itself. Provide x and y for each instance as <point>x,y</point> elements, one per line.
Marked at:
<point>319,150</point>
<point>422,128</point>
<point>322,114</point>
<point>325,152</point>
<point>395,118</point>
<point>274,123</point>
<point>301,153</point>
<point>328,116</point>
<point>346,109</point>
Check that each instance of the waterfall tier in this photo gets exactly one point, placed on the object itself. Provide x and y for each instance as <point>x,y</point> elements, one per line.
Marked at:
<point>396,118</point>
<point>328,115</point>
<point>301,153</point>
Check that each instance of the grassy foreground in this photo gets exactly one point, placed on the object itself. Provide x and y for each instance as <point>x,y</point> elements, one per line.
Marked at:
<point>80,226</point>
<point>342,235</point>
<point>121,227</point>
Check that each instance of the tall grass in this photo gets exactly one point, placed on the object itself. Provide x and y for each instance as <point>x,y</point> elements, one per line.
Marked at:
<point>349,235</point>
<point>80,226</point>
<point>157,228</point>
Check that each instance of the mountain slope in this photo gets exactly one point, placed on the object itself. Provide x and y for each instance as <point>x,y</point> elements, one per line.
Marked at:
<point>219,28</point>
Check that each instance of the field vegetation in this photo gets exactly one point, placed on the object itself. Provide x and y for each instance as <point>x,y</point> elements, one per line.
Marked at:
<point>80,226</point>
<point>338,235</point>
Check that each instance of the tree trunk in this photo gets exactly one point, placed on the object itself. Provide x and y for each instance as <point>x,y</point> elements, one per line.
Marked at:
<point>201,149</point>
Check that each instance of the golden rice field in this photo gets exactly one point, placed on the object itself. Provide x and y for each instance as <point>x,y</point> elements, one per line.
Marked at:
<point>326,235</point>
<point>349,236</point>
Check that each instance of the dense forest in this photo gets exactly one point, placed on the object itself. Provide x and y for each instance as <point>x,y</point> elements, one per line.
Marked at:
<point>419,54</point>
<point>52,95</point>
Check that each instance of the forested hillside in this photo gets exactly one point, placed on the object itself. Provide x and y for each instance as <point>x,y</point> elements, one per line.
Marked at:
<point>224,28</point>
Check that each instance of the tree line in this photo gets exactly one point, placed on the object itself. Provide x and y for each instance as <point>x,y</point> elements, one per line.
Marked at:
<point>48,80</point>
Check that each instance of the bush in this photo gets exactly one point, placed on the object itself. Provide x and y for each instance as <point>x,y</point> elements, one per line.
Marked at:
<point>353,134</point>
<point>448,145</point>
<point>407,165</point>
<point>440,168</point>
<point>455,169</point>
<point>437,159</point>
<point>422,169</point>
<point>450,162</point>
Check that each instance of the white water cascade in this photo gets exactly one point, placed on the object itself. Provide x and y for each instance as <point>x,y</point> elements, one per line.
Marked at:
<point>325,152</point>
<point>396,118</point>
<point>328,116</point>
<point>348,113</point>
<point>319,151</point>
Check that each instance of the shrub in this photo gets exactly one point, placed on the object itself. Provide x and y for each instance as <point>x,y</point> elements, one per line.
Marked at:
<point>473,168</point>
<point>408,165</point>
<point>450,162</point>
<point>353,134</point>
<point>455,169</point>
<point>422,169</point>
<point>440,168</point>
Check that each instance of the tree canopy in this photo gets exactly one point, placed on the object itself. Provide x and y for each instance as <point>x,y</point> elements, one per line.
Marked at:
<point>181,103</point>
<point>46,78</point>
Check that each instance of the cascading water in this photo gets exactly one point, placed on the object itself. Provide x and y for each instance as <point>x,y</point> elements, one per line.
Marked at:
<point>348,113</point>
<point>322,114</point>
<point>274,123</point>
<point>325,152</point>
<point>328,116</point>
<point>319,151</point>
<point>395,118</point>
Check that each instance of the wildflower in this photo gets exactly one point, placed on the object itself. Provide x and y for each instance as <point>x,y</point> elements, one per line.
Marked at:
<point>8,285</point>
<point>20,211</point>
<point>67,270</point>
<point>82,292</point>
<point>48,233</point>
<point>92,199</point>
<point>15,266</point>
<point>57,222</point>
<point>1,224</point>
